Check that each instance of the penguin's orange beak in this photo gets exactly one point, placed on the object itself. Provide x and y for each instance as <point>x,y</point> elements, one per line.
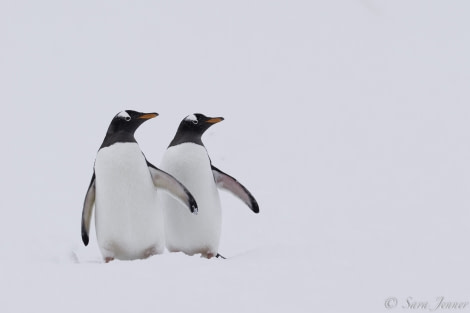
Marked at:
<point>215,120</point>
<point>148,116</point>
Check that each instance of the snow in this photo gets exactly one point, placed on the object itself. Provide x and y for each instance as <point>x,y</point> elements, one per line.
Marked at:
<point>347,120</point>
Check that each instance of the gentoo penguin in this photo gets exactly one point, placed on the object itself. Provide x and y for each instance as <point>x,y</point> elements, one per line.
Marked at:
<point>128,222</point>
<point>187,160</point>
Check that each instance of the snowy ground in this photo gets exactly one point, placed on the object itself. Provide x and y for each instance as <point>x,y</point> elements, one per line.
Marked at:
<point>348,120</point>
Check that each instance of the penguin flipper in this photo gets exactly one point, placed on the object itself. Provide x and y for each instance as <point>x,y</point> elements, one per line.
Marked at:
<point>88,210</point>
<point>171,185</point>
<point>229,183</point>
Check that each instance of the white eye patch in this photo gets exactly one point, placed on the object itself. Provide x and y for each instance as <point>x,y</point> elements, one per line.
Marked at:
<point>124,115</point>
<point>192,118</point>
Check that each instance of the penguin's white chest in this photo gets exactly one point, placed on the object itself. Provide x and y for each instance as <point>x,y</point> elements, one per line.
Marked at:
<point>190,164</point>
<point>128,222</point>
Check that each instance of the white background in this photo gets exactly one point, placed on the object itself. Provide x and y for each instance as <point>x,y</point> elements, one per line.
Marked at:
<point>348,121</point>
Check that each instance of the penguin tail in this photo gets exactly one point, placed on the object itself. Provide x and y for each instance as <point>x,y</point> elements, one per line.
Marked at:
<point>220,256</point>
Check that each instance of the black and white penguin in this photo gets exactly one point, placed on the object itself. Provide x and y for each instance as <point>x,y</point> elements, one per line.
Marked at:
<point>188,161</point>
<point>123,189</point>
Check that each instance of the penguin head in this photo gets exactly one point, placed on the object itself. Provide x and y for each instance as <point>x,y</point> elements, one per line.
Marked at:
<point>124,125</point>
<point>198,123</point>
<point>192,127</point>
<point>128,121</point>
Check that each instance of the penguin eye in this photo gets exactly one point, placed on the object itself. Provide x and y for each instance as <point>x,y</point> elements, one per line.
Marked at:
<point>127,118</point>
<point>194,122</point>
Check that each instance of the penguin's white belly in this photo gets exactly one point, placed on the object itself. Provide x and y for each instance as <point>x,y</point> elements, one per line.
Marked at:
<point>191,234</point>
<point>129,224</point>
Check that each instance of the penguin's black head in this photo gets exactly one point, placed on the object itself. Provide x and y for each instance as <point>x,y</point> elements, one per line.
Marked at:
<point>129,121</point>
<point>198,123</point>
<point>124,125</point>
<point>192,127</point>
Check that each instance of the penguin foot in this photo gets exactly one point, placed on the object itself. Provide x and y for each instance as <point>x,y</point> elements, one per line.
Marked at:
<point>173,249</point>
<point>150,251</point>
<point>208,255</point>
<point>108,259</point>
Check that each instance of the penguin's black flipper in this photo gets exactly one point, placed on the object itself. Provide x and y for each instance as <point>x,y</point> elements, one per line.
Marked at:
<point>229,183</point>
<point>88,210</point>
<point>171,185</point>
